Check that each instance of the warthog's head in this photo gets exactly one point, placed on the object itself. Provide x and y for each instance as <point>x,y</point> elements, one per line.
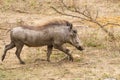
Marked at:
<point>74,39</point>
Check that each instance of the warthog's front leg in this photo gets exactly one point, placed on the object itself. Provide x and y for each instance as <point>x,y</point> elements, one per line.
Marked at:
<point>49,51</point>
<point>65,50</point>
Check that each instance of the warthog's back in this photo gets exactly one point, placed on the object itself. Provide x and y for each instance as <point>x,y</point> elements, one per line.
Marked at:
<point>49,23</point>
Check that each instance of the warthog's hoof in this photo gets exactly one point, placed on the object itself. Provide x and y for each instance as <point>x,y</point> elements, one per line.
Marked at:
<point>48,60</point>
<point>22,62</point>
<point>3,57</point>
<point>80,48</point>
<point>71,59</point>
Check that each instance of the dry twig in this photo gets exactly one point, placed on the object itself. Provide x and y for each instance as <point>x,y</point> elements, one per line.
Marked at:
<point>87,16</point>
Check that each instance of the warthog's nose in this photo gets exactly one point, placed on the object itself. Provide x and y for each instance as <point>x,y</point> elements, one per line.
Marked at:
<point>80,48</point>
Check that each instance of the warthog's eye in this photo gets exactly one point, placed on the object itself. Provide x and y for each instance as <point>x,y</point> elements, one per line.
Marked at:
<point>75,31</point>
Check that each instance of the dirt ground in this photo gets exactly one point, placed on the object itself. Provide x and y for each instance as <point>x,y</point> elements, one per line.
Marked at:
<point>100,59</point>
<point>94,63</point>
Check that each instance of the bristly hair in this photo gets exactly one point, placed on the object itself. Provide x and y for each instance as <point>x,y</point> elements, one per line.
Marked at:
<point>50,23</point>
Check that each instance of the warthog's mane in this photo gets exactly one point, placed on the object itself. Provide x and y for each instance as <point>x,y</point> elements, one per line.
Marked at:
<point>50,23</point>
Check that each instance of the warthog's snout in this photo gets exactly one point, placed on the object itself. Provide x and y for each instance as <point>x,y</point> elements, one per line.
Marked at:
<point>80,48</point>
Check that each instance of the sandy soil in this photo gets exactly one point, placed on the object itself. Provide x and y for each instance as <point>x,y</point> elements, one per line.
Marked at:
<point>99,60</point>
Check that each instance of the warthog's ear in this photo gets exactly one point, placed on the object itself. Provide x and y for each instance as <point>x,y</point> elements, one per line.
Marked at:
<point>70,25</point>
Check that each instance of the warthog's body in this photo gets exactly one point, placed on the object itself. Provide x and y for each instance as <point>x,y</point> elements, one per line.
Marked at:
<point>53,34</point>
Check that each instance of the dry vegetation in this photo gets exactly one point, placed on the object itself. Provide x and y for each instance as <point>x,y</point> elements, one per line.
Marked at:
<point>99,60</point>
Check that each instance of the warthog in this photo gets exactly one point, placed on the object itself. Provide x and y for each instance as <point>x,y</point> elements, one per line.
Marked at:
<point>53,33</point>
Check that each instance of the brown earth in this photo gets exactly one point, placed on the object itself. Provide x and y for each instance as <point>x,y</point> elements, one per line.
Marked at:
<point>99,60</point>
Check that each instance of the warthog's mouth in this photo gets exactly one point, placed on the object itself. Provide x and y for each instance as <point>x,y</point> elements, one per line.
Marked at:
<point>80,48</point>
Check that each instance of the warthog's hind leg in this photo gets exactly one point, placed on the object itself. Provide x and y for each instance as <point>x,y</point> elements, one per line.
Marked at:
<point>49,51</point>
<point>7,47</point>
<point>19,47</point>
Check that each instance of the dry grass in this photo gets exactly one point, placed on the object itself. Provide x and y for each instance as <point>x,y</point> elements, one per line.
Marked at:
<point>99,60</point>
